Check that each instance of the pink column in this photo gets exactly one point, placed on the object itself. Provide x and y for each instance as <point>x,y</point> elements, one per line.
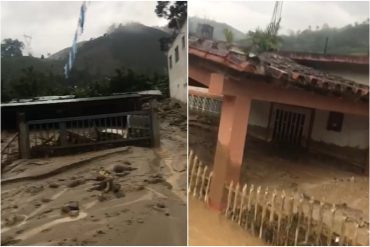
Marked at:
<point>230,146</point>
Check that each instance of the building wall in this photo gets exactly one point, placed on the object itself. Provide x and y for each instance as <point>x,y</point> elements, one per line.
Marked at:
<point>354,133</point>
<point>178,71</point>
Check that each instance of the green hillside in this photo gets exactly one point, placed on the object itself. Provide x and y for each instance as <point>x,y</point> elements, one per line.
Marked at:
<point>131,48</point>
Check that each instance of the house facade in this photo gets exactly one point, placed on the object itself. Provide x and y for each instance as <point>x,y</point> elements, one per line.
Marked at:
<point>177,60</point>
<point>277,100</point>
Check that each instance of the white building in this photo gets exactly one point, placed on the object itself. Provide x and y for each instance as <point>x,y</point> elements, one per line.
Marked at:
<point>177,66</point>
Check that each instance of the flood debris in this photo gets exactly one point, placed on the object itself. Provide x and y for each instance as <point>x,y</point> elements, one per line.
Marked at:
<point>71,208</point>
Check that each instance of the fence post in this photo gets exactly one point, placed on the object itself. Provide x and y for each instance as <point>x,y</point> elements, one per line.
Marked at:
<point>309,220</point>
<point>229,198</point>
<point>207,188</point>
<point>331,225</point>
<point>198,174</point>
<point>290,218</point>
<point>342,231</point>
<point>193,170</point>
<point>24,141</point>
<point>242,201</point>
<point>280,215</point>
<point>256,210</point>
<point>299,214</point>
<point>236,194</point>
<point>247,215</point>
<point>318,236</point>
<point>263,211</point>
<point>156,142</point>
<point>203,182</point>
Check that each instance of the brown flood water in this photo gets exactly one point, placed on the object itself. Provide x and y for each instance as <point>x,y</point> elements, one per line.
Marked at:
<point>208,227</point>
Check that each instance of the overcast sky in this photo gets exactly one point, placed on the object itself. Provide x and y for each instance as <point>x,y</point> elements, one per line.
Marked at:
<point>52,24</point>
<point>247,16</point>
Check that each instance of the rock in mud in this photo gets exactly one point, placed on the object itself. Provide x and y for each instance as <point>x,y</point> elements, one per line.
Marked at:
<point>120,194</point>
<point>34,189</point>
<point>13,220</point>
<point>45,200</point>
<point>75,183</point>
<point>53,185</point>
<point>71,208</point>
<point>122,168</point>
<point>160,205</point>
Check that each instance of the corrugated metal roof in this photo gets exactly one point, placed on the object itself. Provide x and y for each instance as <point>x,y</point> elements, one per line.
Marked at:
<point>63,99</point>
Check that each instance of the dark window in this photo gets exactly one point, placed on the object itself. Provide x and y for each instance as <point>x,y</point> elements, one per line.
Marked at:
<point>170,61</point>
<point>335,121</point>
<point>177,54</point>
<point>183,42</point>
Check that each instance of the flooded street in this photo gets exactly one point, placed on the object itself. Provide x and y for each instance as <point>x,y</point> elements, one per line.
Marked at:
<point>208,227</point>
<point>151,208</point>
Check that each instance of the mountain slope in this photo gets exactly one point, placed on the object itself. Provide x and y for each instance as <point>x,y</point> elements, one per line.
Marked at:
<point>218,32</point>
<point>132,46</point>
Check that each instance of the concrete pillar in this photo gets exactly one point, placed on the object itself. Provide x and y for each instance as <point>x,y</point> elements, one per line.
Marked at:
<point>230,146</point>
<point>23,141</point>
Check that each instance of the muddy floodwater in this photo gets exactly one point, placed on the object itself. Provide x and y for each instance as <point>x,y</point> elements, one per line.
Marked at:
<point>150,210</point>
<point>208,227</point>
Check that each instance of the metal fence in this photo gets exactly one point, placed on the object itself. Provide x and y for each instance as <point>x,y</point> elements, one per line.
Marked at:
<point>205,104</point>
<point>64,133</point>
<point>276,217</point>
<point>9,151</point>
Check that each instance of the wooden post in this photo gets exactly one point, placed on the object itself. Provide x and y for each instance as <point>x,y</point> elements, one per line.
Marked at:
<point>280,215</point>
<point>156,142</point>
<point>299,213</point>
<point>24,142</point>
<point>309,220</point>
<point>331,225</point>
<point>256,210</point>
<point>229,198</point>
<point>318,236</point>
<point>342,231</point>
<point>290,217</point>
<point>208,185</point>
<point>248,206</point>
<point>236,195</point>
<point>197,179</point>
<point>203,182</point>
<point>242,201</point>
<point>192,173</point>
<point>263,212</point>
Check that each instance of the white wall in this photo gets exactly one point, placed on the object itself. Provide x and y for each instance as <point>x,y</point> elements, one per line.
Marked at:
<point>259,113</point>
<point>178,75</point>
<point>354,133</point>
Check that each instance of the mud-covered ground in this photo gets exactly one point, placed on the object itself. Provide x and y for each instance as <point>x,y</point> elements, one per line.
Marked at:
<point>149,210</point>
<point>322,178</point>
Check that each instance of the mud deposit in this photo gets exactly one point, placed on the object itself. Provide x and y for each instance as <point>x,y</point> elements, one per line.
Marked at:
<point>149,210</point>
<point>324,179</point>
<point>208,227</point>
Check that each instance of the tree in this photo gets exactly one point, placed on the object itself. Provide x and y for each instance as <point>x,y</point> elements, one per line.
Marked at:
<point>175,12</point>
<point>229,36</point>
<point>11,48</point>
<point>262,41</point>
<point>42,57</point>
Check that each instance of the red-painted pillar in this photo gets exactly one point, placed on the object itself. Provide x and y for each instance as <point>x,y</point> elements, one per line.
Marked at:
<point>230,146</point>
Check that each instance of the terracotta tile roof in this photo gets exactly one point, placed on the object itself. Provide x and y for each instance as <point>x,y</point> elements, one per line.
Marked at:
<point>276,66</point>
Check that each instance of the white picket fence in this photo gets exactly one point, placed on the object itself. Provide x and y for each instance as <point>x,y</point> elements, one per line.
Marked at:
<point>275,217</point>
